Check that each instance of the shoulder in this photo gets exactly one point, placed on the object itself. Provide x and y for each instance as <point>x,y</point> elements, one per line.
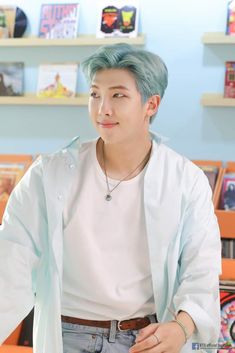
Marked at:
<point>177,162</point>
<point>179,170</point>
<point>69,152</point>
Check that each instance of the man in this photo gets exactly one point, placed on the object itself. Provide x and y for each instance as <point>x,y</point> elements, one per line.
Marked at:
<point>117,237</point>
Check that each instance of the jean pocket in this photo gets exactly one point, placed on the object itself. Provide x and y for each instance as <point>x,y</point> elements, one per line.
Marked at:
<point>126,339</point>
<point>75,342</point>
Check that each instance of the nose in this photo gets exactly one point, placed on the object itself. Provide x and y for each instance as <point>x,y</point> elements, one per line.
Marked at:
<point>105,108</point>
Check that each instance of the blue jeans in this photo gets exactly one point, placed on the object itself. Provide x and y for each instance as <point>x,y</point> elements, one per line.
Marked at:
<point>89,339</point>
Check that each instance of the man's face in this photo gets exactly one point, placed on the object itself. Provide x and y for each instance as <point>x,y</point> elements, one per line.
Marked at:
<point>116,108</point>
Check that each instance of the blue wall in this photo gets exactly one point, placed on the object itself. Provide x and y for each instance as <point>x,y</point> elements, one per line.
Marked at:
<point>173,30</point>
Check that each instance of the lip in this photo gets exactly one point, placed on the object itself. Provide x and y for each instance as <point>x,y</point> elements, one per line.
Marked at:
<point>107,125</point>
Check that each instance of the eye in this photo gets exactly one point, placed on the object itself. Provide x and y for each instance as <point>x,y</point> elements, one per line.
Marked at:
<point>118,95</point>
<point>94,95</point>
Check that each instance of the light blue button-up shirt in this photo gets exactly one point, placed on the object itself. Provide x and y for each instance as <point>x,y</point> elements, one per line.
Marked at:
<point>183,241</point>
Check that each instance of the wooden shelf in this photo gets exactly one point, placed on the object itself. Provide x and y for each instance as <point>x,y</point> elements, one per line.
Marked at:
<point>226,220</point>
<point>8,348</point>
<point>83,40</point>
<point>228,269</point>
<point>218,38</point>
<point>28,99</point>
<point>216,100</point>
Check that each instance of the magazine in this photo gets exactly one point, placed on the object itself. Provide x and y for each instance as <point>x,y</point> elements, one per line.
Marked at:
<point>229,85</point>
<point>228,192</point>
<point>230,26</point>
<point>7,21</point>
<point>11,79</point>
<point>118,18</point>
<point>57,80</point>
<point>59,21</point>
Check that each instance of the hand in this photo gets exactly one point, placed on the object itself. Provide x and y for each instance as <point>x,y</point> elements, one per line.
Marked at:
<point>169,339</point>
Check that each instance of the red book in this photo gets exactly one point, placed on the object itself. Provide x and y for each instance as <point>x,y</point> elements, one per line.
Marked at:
<point>229,86</point>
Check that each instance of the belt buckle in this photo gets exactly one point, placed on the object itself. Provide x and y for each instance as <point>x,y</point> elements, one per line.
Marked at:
<point>119,325</point>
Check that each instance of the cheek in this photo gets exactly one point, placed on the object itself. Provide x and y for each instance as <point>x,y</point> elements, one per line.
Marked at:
<point>92,108</point>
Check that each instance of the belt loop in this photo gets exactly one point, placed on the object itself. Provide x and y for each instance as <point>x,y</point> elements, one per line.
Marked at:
<point>112,331</point>
<point>152,318</point>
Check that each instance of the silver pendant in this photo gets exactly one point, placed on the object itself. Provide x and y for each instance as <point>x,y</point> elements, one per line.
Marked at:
<point>108,197</point>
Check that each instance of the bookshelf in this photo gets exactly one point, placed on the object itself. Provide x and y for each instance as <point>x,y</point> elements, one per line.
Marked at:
<point>13,159</point>
<point>226,220</point>
<point>214,99</point>
<point>30,99</point>
<point>82,40</point>
<point>217,38</point>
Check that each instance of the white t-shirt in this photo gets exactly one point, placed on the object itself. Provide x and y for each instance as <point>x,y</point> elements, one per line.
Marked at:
<point>106,261</point>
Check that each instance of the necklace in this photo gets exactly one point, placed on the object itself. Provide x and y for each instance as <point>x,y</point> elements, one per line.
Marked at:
<point>108,196</point>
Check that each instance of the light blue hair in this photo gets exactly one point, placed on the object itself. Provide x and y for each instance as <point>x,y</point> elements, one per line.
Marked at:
<point>149,70</point>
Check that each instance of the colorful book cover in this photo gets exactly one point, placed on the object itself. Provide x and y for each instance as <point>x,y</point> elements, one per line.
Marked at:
<point>59,21</point>
<point>228,192</point>
<point>11,79</point>
<point>211,173</point>
<point>227,332</point>
<point>7,21</point>
<point>230,27</point>
<point>57,80</point>
<point>229,85</point>
<point>10,174</point>
<point>118,18</point>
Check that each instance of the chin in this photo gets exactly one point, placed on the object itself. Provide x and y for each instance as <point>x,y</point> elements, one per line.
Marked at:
<point>108,136</point>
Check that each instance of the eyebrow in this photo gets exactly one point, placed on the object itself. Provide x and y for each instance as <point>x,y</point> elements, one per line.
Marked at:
<point>113,87</point>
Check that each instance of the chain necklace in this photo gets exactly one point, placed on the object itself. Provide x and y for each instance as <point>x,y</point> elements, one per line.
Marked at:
<point>108,196</point>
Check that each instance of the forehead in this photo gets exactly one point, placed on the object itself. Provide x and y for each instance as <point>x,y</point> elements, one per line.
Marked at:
<point>109,78</point>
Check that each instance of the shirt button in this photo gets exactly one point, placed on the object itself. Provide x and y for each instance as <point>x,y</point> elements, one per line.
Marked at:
<point>71,166</point>
<point>59,197</point>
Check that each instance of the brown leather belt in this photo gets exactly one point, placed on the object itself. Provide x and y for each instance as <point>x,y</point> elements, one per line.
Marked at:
<point>132,324</point>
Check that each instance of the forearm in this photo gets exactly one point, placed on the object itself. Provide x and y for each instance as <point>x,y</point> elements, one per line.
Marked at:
<point>187,322</point>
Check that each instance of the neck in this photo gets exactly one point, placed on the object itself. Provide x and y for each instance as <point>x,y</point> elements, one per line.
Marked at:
<point>121,159</point>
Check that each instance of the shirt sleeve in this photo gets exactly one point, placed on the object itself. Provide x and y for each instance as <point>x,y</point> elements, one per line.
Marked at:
<point>200,264</point>
<point>22,234</point>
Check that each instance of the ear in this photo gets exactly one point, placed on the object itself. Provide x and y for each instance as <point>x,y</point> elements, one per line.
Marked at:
<point>152,105</point>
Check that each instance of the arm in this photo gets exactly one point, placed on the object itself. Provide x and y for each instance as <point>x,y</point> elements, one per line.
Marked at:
<point>196,301</point>
<point>200,264</point>
<point>21,235</point>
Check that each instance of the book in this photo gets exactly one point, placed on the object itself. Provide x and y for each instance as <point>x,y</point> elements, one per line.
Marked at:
<point>211,173</point>
<point>228,192</point>
<point>10,174</point>
<point>7,21</point>
<point>118,18</point>
<point>11,79</point>
<point>229,84</point>
<point>57,80</point>
<point>59,21</point>
<point>227,312</point>
<point>230,25</point>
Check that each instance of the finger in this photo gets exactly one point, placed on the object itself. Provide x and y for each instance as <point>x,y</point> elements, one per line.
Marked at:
<point>160,348</point>
<point>147,343</point>
<point>146,332</point>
